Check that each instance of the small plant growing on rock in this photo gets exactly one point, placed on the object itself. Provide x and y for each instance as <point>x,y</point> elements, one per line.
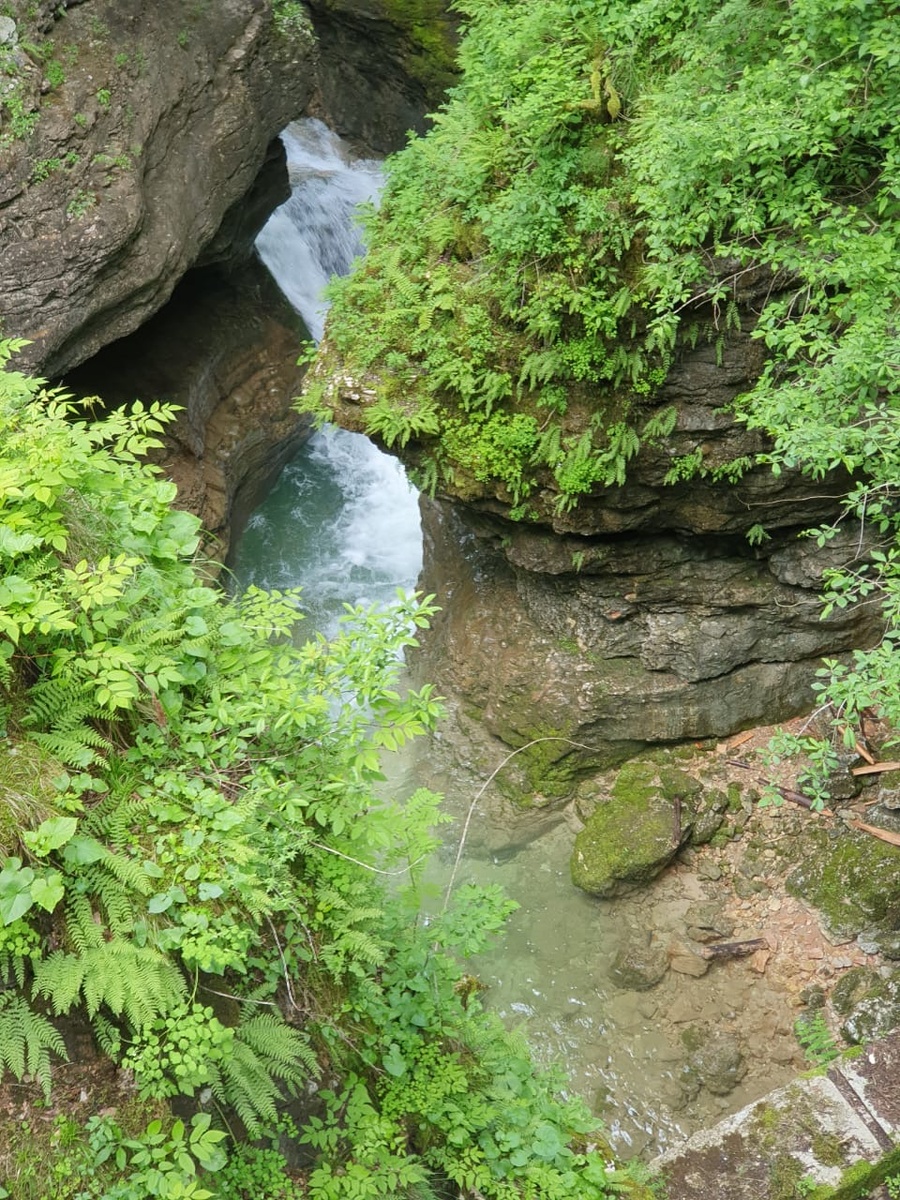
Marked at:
<point>822,762</point>
<point>817,1040</point>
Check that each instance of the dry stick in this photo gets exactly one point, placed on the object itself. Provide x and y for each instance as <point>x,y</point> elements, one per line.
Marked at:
<point>368,866</point>
<point>493,775</point>
<point>733,949</point>
<point>786,793</point>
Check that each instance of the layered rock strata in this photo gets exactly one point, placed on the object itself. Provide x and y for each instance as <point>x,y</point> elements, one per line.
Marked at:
<point>224,350</point>
<point>643,616</point>
<point>141,137</point>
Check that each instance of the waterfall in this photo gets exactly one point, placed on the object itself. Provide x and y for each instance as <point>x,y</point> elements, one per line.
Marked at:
<point>315,234</point>
<point>342,522</point>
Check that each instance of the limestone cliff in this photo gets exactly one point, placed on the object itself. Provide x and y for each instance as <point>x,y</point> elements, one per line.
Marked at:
<point>142,127</point>
<point>642,616</point>
<point>139,146</point>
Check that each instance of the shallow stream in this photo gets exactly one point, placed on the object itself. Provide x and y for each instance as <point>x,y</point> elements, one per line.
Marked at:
<point>343,524</point>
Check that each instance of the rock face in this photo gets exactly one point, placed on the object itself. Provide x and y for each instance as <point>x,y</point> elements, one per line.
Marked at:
<point>154,125</point>
<point>383,65</point>
<point>225,350</point>
<point>642,616</point>
<point>139,149</point>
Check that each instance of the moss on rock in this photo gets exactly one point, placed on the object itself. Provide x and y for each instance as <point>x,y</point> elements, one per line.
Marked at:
<point>852,878</point>
<point>629,838</point>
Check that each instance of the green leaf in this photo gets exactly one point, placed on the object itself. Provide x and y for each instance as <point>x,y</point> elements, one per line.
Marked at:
<point>14,905</point>
<point>48,890</point>
<point>83,850</point>
<point>394,1062</point>
<point>50,835</point>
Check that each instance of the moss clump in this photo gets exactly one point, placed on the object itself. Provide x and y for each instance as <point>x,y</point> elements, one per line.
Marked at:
<point>853,879</point>
<point>629,837</point>
<point>27,790</point>
<point>828,1149</point>
<point>785,1174</point>
<point>431,58</point>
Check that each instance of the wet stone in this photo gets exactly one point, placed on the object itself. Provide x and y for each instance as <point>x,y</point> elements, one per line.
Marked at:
<point>706,922</point>
<point>709,870</point>
<point>747,888</point>
<point>718,1063</point>
<point>684,959</point>
<point>639,966</point>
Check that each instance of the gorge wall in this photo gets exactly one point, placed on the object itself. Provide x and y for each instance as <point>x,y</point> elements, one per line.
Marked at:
<point>139,146</point>
<point>641,616</point>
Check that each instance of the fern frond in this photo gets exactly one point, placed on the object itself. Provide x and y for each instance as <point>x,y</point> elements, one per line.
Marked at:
<point>82,929</point>
<point>116,818</point>
<point>136,982</point>
<point>26,1040</point>
<point>128,873</point>
<point>15,965</point>
<point>109,892</point>
<point>265,1050</point>
<point>76,747</point>
<point>109,1037</point>
<point>284,1050</point>
<point>817,1040</point>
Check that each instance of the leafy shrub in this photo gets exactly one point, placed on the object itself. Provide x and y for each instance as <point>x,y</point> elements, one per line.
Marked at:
<point>212,834</point>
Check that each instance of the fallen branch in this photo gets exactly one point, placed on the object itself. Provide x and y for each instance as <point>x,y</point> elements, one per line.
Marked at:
<point>864,753</point>
<point>733,949</point>
<point>884,835</point>
<point>875,768</point>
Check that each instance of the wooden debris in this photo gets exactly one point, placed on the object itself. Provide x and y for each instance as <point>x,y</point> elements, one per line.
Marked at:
<point>885,835</point>
<point>864,753</point>
<point>741,739</point>
<point>733,949</point>
<point>875,768</point>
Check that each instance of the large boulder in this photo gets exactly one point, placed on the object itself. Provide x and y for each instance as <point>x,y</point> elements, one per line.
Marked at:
<point>631,835</point>
<point>852,878</point>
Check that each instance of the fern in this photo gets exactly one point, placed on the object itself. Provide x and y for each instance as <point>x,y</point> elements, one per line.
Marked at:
<point>265,1050</point>
<point>116,818</point>
<point>83,931</point>
<point>134,982</point>
<point>109,1037</point>
<point>26,1040</point>
<point>817,1040</point>
<point>112,896</point>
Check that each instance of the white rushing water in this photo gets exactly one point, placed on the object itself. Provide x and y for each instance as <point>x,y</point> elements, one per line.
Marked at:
<point>342,522</point>
<point>315,234</point>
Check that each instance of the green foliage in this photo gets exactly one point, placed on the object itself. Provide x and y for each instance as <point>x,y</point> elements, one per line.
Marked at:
<point>820,759</point>
<point>26,1040</point>
<point>216,836</point>
<point>591,198</point>
<point>290,16</point>
<point>817,1040</point>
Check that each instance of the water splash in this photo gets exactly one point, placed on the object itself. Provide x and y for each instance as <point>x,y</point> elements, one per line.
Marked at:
<point>316,234</point>
<point>342,522</point>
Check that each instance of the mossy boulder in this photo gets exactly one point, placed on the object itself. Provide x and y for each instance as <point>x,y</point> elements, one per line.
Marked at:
<point>718,1063</point>
<point>872,1007</point>
<point>852,878</point>
<point>632,834</point>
